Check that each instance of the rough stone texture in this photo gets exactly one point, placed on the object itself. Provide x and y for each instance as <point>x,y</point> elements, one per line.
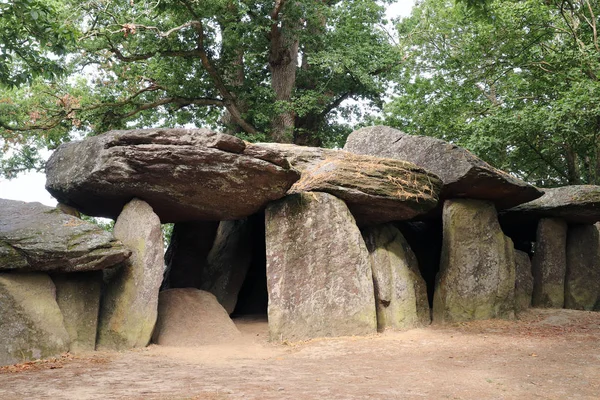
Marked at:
<point>190,317</point>
<point>228,262</point>
<point>578,204</point>
<point>582,281</point>
<point>31,324</point>
<point>549,264</point>
<point>78,297</point>
<point>319,274</point>
<point>523,281</point>
<point>184,174</point>
<point>187,253</point>
<point>477,267</point>
<point>34,237</point>
<point>129,305</point>
<point>376,190</point>
<point>464,175</point>
<point>400,291</point>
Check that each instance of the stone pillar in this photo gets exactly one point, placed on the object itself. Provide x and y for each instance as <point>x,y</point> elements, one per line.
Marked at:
<point>523,281</point>
<point>130,302</point>
<point>549,263</point>
<point>400,291</point>
<point>582,281</point>
<point>78,296</point>
<point>31,324</point>
<point>477,268</point>
<point>318,270</point>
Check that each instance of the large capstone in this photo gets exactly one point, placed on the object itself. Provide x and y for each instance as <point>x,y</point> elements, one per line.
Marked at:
<point>578,204</point>
<point>523,281</point>
<point>190,317</point>
<point>34,237</point>
<point>477,267</point>
<point>78,297</point>
<point>319,274</point>
<point>184,174</point>
<point>400,291</point>
<point>549,264</point>
<point>129,305</point>
<point>31,324</point>
<point>582,281</point>
<point>376,190</point>
<point>464,175</point>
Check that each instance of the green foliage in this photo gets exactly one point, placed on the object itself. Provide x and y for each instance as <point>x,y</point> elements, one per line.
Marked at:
<point>518,86</point>
<point>205,63</point>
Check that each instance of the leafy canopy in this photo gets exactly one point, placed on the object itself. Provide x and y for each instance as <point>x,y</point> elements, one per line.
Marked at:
<point>264,70</point>
<point>517,84</point>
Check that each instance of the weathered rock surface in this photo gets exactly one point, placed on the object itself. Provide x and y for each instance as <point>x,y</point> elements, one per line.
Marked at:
<point>523,281</point>
<point>317,287</point>
<point>34,237</point>
<point>31,324</point>
<point>184,174</point>
<point>578,204</point>
<point>464,175</point>
<point>129,305</point>
<point>190,317</point>
<point>187,253</point>
<point>549,264</point>
<point>400,291</point>
<point>78,297</point>
<point>477,267</point>
<point>376,190</point>
<point>228,262</point>
<point>582,281</point>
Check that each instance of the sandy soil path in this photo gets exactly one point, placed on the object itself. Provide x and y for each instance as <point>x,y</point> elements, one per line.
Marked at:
<point>546,354</point>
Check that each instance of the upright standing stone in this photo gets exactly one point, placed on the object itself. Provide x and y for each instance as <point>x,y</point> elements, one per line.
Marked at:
<point>186,255</point>
<point>523,281</point>
<point>78,297</point>
<point>129,306</point>
<point>400,291</point>
<point>319,275</point>
<point>31,325</point>
<point>549,263</point>
<point>477,267</point>
<point>228,262</point>
<point>582,282</point>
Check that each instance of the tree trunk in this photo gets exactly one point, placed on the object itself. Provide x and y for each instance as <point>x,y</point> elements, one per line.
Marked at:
<point>283,61</point>
<point>573,173</point>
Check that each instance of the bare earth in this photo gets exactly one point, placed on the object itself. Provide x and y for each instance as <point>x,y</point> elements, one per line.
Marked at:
<point>546,354</point>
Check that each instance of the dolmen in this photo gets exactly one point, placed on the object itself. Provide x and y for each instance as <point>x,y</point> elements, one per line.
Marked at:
<point>392,232</point>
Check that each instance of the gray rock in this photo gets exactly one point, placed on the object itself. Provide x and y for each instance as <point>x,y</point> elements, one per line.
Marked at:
<point>376,190</point>
<point>549,264</point>
<point>477,268</point>
<point>129,305</point>
<point>31,324</point>
<point>582,280</point>
<point>190,317</point>
<point>228,262</point>
<point>578,204</point>
<point>523,281</point>
<point>184,174</point>
<point>187,253</point>
<point>34,237</point>
<point>319,274</point>
<point>464,175</point>
<point>78,297</point>
<point>400,291</point>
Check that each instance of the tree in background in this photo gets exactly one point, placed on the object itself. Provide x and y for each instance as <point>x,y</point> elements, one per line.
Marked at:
<point>518,84</point>
<point>275,70</point>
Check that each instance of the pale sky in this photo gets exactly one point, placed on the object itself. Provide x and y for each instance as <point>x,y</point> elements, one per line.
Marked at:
<point>30,186</point>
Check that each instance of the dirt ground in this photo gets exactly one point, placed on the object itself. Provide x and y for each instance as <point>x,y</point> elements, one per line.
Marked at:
<point>546,354</point>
